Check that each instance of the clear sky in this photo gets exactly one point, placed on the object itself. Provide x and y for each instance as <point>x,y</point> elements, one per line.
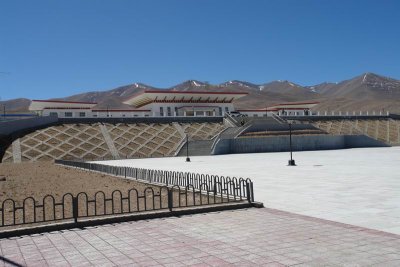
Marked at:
<point>57,48</point>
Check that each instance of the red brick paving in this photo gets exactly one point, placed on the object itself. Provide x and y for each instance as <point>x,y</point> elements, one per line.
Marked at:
<point>250,237</point>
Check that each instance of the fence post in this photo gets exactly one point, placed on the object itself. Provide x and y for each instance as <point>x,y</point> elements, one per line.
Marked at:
<point>248,194</point>
<point>252,192</point>
<point>170,200</point>
<point>75,209</point>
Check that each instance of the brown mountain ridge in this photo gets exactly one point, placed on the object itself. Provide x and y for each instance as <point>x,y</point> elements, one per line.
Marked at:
<point>366,92</point>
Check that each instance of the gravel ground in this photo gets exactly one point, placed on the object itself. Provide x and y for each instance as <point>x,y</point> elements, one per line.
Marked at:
<point>38,179</point>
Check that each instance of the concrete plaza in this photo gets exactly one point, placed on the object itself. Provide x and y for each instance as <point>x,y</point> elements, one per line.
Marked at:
<point>249,237</point>
<point>358,187</point>
<point>354,186</point>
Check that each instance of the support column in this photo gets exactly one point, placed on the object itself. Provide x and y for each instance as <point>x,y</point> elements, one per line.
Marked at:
<point>109,141</point>
<point>16,149</point>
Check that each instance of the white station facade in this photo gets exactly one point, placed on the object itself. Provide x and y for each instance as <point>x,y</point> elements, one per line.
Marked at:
<point>163,103</point>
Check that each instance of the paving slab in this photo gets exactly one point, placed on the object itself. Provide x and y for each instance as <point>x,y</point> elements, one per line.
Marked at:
<point>354,186</point>
<point>247,237</point>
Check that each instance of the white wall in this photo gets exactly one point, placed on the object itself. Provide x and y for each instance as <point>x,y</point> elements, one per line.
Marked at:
<point>61,113</point>
<point>155,108</point>
<point>119,114</point>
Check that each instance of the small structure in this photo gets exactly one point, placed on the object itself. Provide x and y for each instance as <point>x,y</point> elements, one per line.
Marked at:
<point>164,103</point>
<point>62,109</point>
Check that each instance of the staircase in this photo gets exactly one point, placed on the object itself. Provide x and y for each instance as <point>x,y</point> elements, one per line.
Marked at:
<point>197,148</point>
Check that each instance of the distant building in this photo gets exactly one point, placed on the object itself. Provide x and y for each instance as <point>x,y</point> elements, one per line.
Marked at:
<point>283,109</point>
<point>186,103</point>
<point>62,109</point>
<point>156,103</point>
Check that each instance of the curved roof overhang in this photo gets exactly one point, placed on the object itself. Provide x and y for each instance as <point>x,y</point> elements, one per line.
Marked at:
<point>151,96</point>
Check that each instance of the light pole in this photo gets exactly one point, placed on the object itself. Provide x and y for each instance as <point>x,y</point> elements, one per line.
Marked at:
<point>291,161</point>
<point>187,148</point>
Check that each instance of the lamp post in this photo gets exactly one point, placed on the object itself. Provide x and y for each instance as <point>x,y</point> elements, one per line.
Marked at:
<point>291,161</point>
<point>187,148</point>
<point>4,111</point>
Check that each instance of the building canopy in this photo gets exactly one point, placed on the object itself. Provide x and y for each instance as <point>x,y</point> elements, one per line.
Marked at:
<point>158,96</point>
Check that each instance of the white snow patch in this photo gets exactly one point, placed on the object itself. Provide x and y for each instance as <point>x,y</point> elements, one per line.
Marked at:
<point>196,84</point>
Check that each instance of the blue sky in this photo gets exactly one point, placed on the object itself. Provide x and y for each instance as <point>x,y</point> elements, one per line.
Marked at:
<point>59,48</point>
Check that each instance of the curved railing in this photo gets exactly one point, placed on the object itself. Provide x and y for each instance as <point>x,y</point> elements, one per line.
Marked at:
<point>225,185</point>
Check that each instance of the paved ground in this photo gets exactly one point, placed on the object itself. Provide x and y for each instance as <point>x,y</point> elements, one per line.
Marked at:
<point>354,186</point>
<point>250,237</point>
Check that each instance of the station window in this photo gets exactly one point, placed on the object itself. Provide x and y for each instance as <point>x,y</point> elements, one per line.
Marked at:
<point>226,109</point>
<point>169,114</point>
<point>53,114</point>
<point>176,111</point>
<point>82,114</point>
<point>220,111</point>
<point>161,111</point>
<point>68,114</point>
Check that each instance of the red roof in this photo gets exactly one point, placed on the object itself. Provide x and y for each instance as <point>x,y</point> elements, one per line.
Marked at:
<point>297,103</point>
<point>120,110</point>
<point>257,110</point>
<point>61,101</point>
<point>66,108</point>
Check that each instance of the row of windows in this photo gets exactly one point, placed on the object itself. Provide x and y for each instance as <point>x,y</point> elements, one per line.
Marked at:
<point>169,111</point>
<point>69,114</point>
<point>83,115</point>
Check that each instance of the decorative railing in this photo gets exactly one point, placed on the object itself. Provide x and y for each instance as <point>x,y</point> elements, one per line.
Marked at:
<point>228,186</point>
<point>73,208</point>
<point>341,113</point>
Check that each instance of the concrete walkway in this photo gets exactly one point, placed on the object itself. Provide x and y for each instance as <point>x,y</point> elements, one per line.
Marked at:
<point>250,237</point>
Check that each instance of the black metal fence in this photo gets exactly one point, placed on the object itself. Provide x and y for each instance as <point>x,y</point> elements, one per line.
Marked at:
<point>75,207</point>
<point>229,187</point>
